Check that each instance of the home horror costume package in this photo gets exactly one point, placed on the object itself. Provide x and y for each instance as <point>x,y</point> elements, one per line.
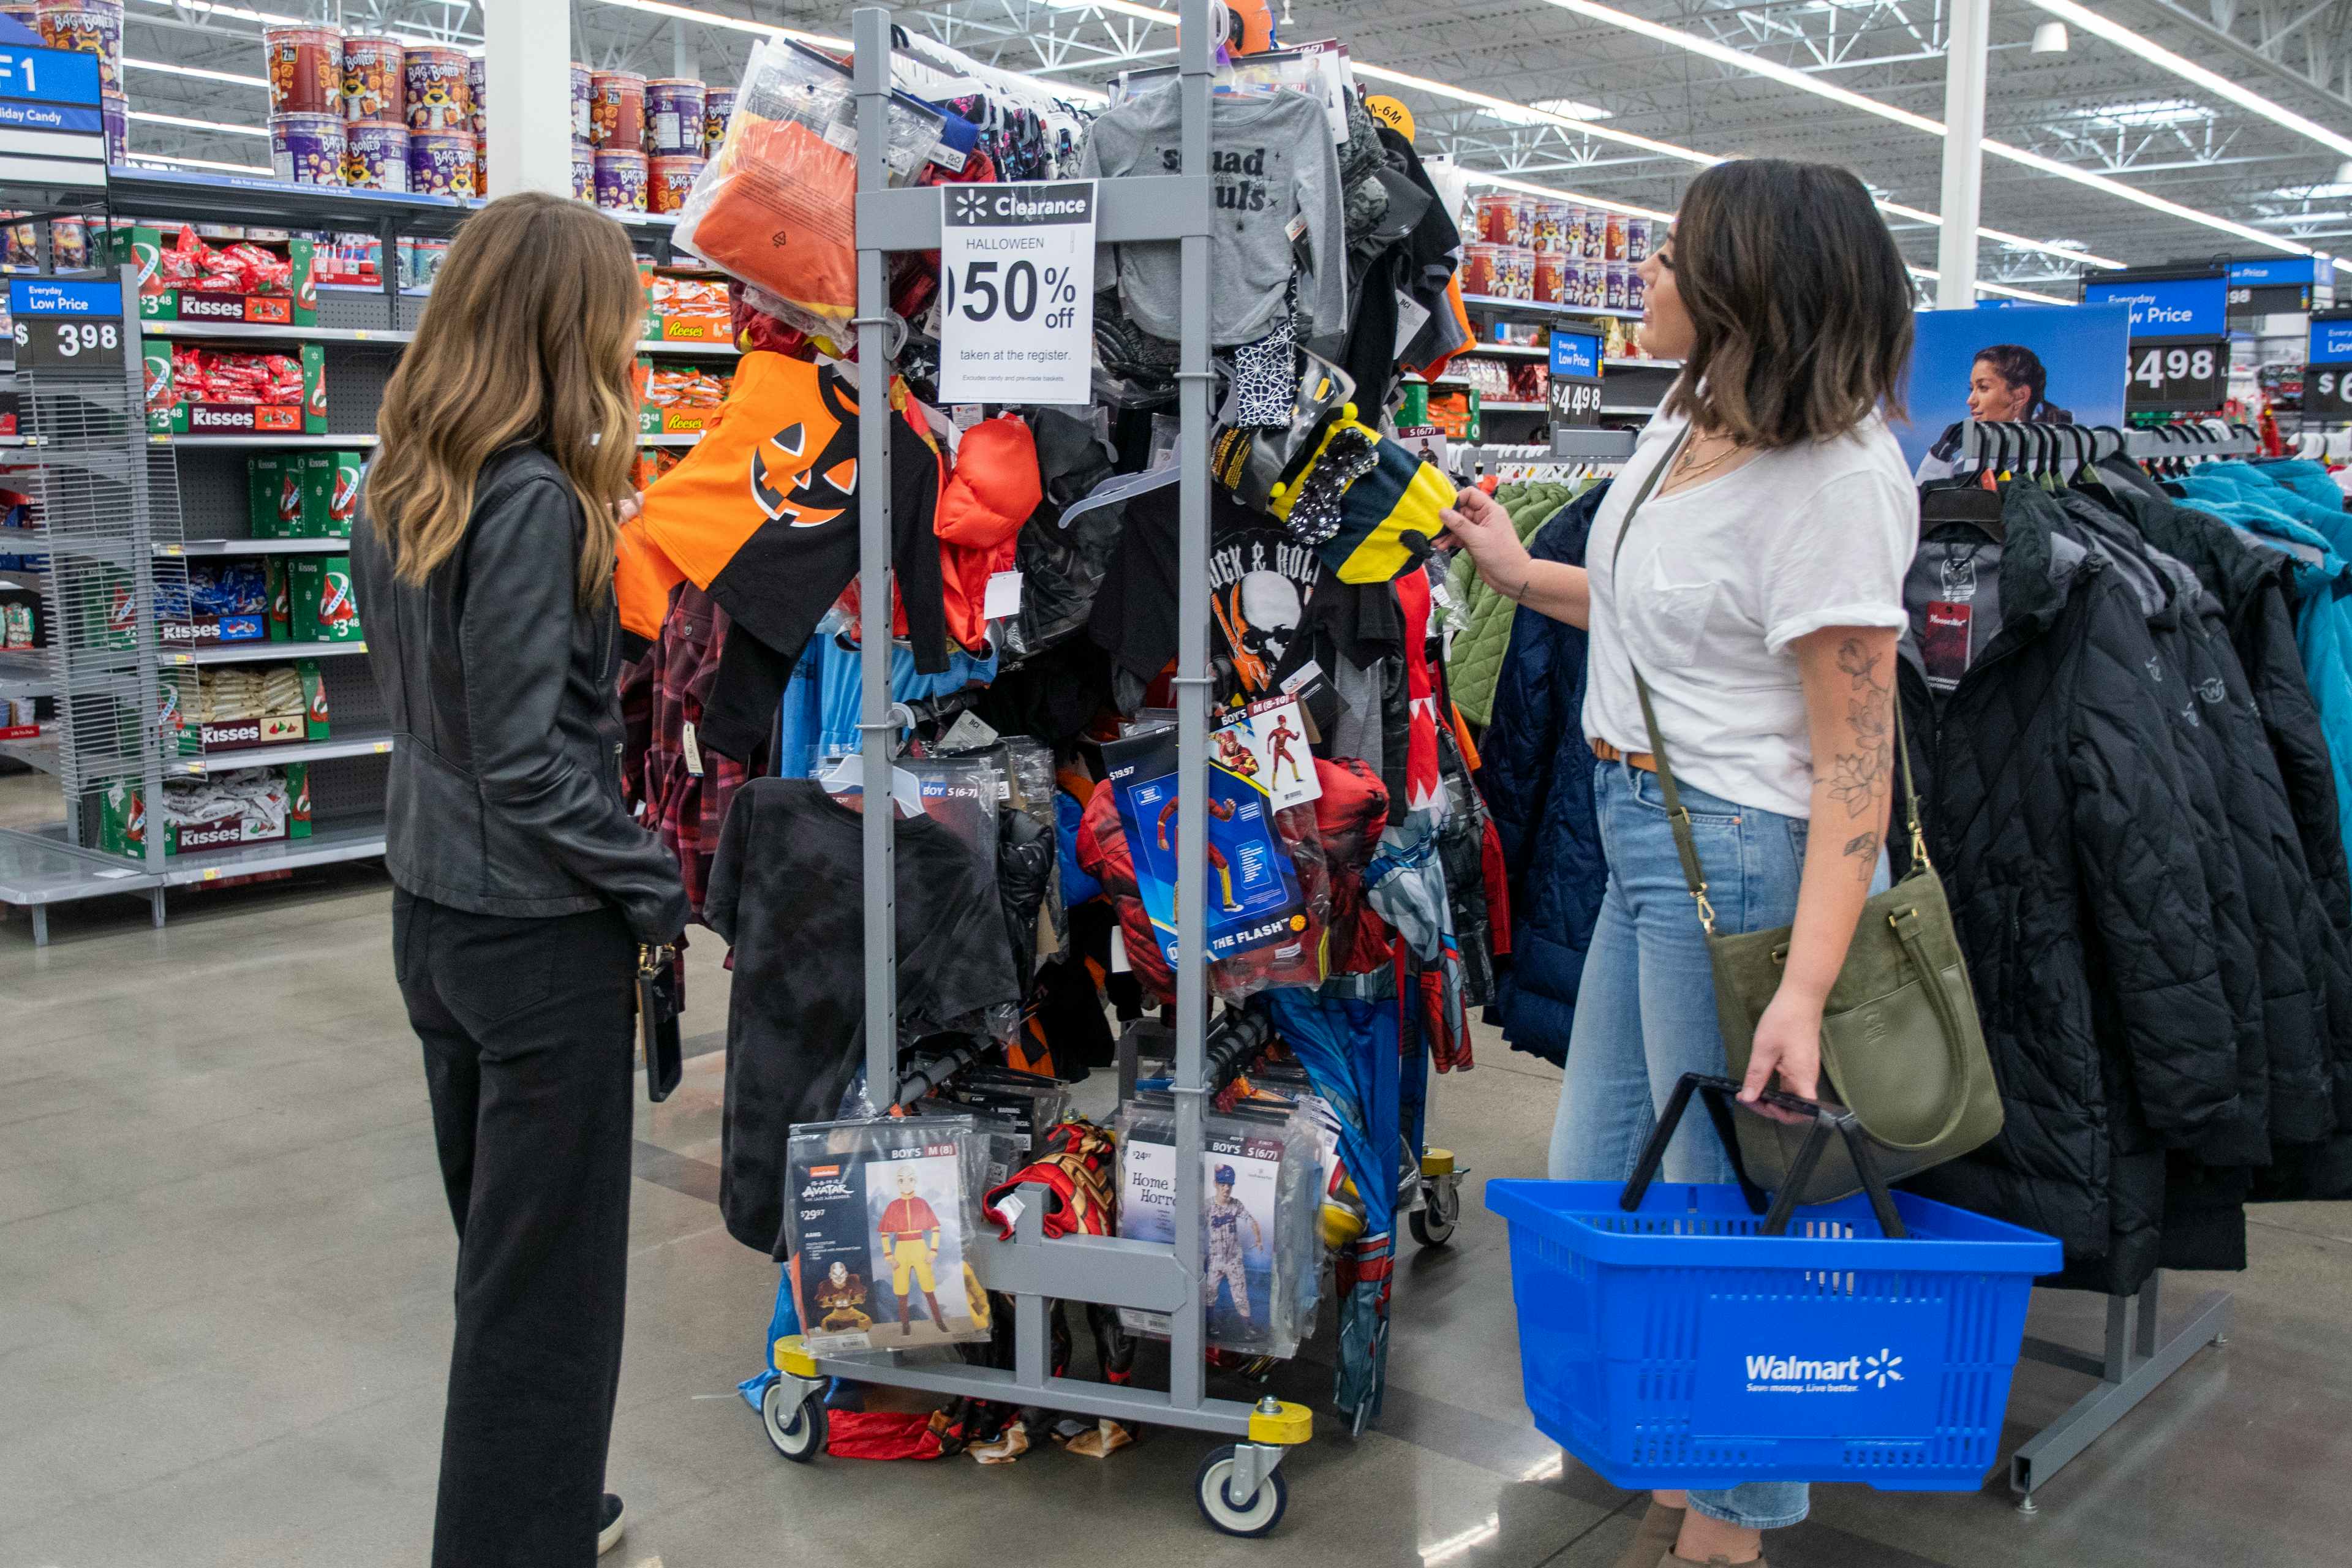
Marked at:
<point>881,1214</point>
<point>1259,1248</point>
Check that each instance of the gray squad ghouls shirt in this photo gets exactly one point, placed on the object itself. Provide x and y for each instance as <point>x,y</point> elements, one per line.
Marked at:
<point>1272,161</point>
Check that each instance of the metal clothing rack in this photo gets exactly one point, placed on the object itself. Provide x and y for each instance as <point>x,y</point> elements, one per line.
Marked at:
<point>1237,1486</point>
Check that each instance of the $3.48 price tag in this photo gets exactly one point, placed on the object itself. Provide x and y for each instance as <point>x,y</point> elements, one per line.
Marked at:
<point>1017,292</point>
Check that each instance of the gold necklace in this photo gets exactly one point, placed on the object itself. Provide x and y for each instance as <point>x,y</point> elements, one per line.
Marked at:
<point>1686,467</point>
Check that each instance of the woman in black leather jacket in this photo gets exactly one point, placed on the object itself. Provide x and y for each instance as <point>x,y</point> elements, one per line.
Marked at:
<point>524,890</point>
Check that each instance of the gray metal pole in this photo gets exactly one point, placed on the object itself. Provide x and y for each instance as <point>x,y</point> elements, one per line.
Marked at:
<point>870,79</point>
<point>1966,52</point>
<point>1185,1375</point>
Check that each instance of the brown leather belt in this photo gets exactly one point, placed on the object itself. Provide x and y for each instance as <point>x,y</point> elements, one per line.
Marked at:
<point>1609,753</point>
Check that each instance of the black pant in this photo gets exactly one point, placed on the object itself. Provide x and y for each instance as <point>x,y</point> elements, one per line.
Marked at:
<point>526,1026</point>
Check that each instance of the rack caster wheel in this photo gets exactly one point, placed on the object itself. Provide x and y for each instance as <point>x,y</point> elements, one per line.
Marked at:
<point>794,1424</point>
<point>1441,1198</point>
<point>1249,1518</point>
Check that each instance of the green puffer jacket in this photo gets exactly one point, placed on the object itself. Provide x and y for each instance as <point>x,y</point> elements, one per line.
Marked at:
<point>1479,618</point>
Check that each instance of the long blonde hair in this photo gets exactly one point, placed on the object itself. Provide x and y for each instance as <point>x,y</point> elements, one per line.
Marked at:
<point>529,338</point>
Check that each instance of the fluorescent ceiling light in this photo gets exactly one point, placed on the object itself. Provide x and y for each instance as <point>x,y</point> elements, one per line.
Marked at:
<point>1572,107</point>
<point>260,81</point>
<point>2189,70</point>
<point>2308,217</point>
<point>1774,71</point>
<point>181,120</point>
<point>266,174</point>
<point>2152,112</point>
<point>274,18</point>
<point>736,24</point>
<point>2050,38</point>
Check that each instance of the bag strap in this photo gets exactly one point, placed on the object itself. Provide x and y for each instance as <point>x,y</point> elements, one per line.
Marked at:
<point>1694,876</point>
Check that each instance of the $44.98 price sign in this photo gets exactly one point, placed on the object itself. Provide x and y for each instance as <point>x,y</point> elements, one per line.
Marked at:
<point>1017,292</point>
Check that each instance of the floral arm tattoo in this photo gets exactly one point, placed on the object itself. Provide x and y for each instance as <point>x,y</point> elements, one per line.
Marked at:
<point>1863,776</point>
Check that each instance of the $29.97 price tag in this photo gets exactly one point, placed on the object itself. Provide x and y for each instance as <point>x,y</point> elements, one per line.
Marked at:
<point>1016,292</point>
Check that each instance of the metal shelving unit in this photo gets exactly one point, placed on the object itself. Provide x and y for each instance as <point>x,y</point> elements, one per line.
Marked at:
<point>1033,1271</point>
<point>1545,308</point>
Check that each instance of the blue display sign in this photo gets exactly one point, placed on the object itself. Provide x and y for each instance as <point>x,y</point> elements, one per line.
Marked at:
<point>2331,341</point>
<point>2167,308</point>
<point>2284,270</point>
<point>1576,355</point>
<point>58,297</point>
<point>48,75</point>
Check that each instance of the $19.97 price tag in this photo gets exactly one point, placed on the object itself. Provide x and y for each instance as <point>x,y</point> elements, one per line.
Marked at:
<point>1016,292</point>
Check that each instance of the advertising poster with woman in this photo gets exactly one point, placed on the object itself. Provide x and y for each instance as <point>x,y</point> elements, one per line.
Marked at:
<point>2061,365</point>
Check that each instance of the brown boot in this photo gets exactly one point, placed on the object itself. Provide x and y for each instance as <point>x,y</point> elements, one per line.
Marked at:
<point>906,1318</point>
<point>1657,1532</point>
<point>938,1319</point>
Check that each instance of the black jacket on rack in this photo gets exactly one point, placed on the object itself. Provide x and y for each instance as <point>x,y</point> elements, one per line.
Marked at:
<point>2053,809</point>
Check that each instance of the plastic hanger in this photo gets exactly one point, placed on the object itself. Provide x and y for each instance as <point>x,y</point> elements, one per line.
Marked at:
<point>849,773</point>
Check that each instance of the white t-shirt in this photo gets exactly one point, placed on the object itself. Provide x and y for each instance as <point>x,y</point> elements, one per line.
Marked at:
<point>1718,580</point>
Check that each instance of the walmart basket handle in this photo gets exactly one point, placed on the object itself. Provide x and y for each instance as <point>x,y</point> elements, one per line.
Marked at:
<point>1721,1095</point>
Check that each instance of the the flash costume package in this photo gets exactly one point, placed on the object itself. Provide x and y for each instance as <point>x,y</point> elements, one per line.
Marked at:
<point>881,1214</point>
<point>1259,1243</point>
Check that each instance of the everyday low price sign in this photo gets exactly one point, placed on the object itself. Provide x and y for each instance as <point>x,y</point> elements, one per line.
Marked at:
<point>1017,292</point>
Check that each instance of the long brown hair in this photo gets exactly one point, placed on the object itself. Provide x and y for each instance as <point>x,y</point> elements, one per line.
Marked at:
<point>528,338</point>
<point>1799,302</point>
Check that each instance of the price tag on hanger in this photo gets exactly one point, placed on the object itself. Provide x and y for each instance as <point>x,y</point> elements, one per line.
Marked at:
<point>2191,374</point>
<point>1017,292</point>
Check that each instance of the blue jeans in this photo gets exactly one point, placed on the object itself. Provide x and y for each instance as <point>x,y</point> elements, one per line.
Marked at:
<point>1646,1012</point>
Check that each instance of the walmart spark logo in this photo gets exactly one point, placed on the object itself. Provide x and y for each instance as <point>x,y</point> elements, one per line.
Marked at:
<point>1880,1369</point>
<point>970,207</point>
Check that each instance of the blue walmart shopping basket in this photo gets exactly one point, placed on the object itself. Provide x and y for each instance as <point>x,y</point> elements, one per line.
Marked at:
<point>1669,1337</point>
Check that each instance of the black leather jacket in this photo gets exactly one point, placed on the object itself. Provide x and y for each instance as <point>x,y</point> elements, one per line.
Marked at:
<point>505,794</point>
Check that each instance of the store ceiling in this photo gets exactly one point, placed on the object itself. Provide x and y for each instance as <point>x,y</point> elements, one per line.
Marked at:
<point>2096,107</point>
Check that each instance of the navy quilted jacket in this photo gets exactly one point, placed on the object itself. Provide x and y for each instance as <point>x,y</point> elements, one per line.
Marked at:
<point>1537,774</point>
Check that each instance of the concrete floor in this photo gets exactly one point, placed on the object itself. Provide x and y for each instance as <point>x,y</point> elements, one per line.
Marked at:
<point>225,1267</point>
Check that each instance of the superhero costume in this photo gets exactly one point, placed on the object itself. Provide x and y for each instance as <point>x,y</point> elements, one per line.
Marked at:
<point>1280,740</point>
<point>1222,810</point>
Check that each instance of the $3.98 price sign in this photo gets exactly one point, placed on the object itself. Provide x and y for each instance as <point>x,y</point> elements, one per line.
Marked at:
<point>1016,292</point>
<point>62,341</point>
<point>2192,375</point>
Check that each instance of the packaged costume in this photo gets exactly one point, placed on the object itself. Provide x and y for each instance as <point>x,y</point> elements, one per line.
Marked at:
<point>1259,1240</point>
<point>881,1216</point>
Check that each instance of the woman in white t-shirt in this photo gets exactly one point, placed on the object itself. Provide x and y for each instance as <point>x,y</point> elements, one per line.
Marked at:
<point>1760,592</point>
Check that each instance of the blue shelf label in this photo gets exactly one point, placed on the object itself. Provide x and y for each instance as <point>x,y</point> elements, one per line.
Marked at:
<point>19,116</point>
<point>2284,270</point>
<point>2331,341</point>
<point>2167,308</point>
<point>48,75</point>
<point>58,297</point>
<point>1575,354</point>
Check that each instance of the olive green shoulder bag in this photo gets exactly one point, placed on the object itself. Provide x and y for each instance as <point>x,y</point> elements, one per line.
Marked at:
<point>1901,1046</point>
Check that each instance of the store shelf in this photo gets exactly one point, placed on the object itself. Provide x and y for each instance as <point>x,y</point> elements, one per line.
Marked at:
<point>23,674</point>
<point>1496,406</point>
<point>40,752</point>
<point>1629,410</point>
<point>1636,363</point>
<point>259,443</point>
<point>248,329</point>
<point>257,547</point>
<point>39,868</point>
<point>19,577</point>
<point>1540,308</point>
<point>232,198</point>
<point>688,349</point>
<point>370,744</point>
<point>358,841</point>
<point>1510,351</point>
<point>686,438</point>
<point>258,652</point>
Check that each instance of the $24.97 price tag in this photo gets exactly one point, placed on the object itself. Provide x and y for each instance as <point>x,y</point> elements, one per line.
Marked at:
<point>1016,292</point>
